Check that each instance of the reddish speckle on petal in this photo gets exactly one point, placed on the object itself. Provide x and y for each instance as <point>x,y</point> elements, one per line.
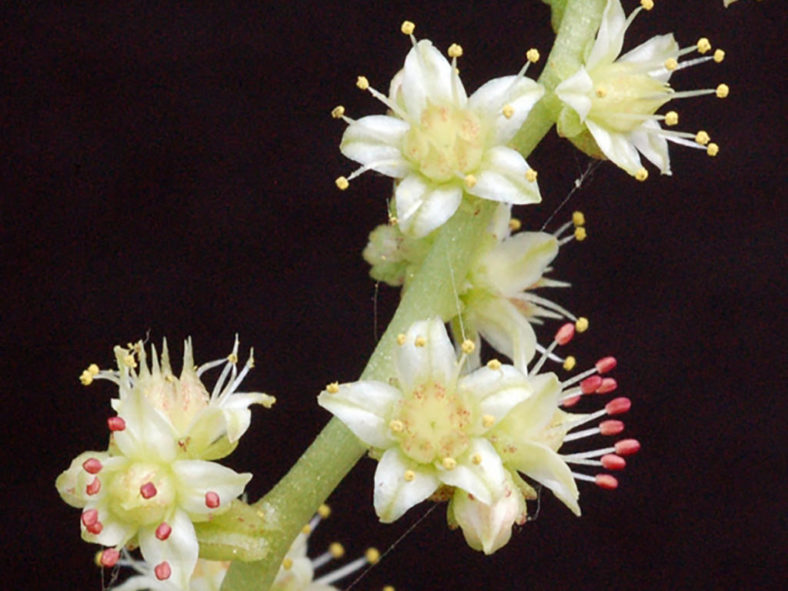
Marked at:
<point>162,571</point>
<point>94,487</point>
<point>92,466</point>
<point>109,557</point>
<point>212,500</point>
<point>116,424</point>
<point>89,517</point>
<point>148,490</point>
<point>163,531</point>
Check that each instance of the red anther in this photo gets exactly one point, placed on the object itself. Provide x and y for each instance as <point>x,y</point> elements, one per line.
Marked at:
<point>565,333</point>
<point>92,466</point>
<point>627,447</point>
<point>605,364</point>
<point>613,462</point>
<point>607,385</point>
<point>95,528</point>
<point>109,557</point>
<point>94,487</point>
<point>211,499</point>
<point>116,424</point>
<point>164,530</point>
<point>611,427</point>
<point>590,385</point>
<point>89,517</point>
<point>570,401</point>
<point>606,481</point>
<point>162,571</point>
<point>148,490</point>
<point>618,406</point>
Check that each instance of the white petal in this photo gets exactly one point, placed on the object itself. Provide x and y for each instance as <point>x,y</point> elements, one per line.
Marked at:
<point>393,494</point>
<point>610,37</point>
<point>575,91</point>
<point>529,419</point>
<point>652,145</point>
<point>616,146</point>
<point>433,360</point>
<point>113,532</point>
<point>365,407</point>
<point>376,141</point>
<point>542,464</point>
<point>179,550</point>
<point>422,206</point>
<point>518,262</point>
<point>499,225</point>
<point>147,433</point>
<point>496,391</point>
<point>197,477</point>
<point>656,50</point>
<point>501,177</point>
<point>428,76</point>
<point>485,480</point>
<point>503,326</point>
<point>519,93</point>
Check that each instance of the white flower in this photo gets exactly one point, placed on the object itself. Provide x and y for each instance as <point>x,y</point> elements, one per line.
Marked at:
<point>439,143</point>
<point>144,492</point>
<point>615,97</point>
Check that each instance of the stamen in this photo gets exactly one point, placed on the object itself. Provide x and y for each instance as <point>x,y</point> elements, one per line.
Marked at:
<point>148,490</point>
<point>371,556</point>
<point>116,424</point>
<point>212,500</point>
<point>92,466</point>
<point>94,487</point>
<point>162,571</point>
<point>109,557</point>
<point>332,388</point>
<point>163,531</point>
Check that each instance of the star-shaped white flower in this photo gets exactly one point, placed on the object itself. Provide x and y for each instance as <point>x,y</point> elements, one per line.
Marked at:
<point>441,144</point>
<point>615,97</point>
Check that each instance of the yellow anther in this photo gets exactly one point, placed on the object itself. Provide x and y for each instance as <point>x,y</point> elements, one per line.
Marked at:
<point>287,563</point>
<point>372,555</point>
<point>129,361</point>
<point>470,181</point>
<point>336,550</point>
<point>409,475</point>
<point>569,363</point>
<point>508,111</point>
<point>580,234</point>
<point>306,530</point>
<point>388,588</point>
<point>712,149</point>
<point>342,183</point>
<point>338,112</point>
<point>93,368</point>
<point>671,64</point>
<point>455,50</point>
<point>515,224</point>
<point>494,364</point>
<point>449,463</point>
<point>702,138</point>
<point>600,92</point>
<point>641,174</point>
<point>722,90</point>
<point>488,421</point>
<point>396,426</point>
<point>86,377</point>
<point>578,219</point>
<point>647,4</point>
<point>532,55</point>
<point>581,324</point>
<point>468,346</point>
<point>420,341</point>
<point>324,511</point>
<point>671,118</point>
<point>407,28</point>
<point>362,82</point>
<point>704,45</point>
<point>232,358</point>
<point>719,55</point>
<point>97,557</point>
<point>476,459</point>
<point>530,175</point>
<point>332,388</point>
<point>401,338</point>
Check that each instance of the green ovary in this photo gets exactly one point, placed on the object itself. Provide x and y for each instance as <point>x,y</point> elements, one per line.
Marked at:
<point>434,424</point>
<point>623,97</point>
<point>127,502</point>
<point>448,141</point>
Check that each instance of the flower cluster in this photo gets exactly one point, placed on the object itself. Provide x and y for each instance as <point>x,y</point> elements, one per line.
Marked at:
<point>614,98</point>
<point>467,437</point>
<point>156,478</point>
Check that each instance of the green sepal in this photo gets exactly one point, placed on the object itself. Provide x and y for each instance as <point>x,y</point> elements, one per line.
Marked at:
<point>557,8</point>
<point>237,534</point>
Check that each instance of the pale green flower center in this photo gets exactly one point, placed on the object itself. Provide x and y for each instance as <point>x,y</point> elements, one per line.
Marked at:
<point>434,424</point>
<point>624,96</point>
<point>128,497</point>
<point>448,142</point>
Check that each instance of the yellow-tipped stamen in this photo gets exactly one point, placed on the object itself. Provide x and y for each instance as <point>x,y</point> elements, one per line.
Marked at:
<point>530,175</point>
<point>494,364</point>
<point>581,325</point>
<point>468,346</point>
<point>332,388</point>
<point>532,55</point>
<point>569,363</point>
<point>407,28</point>
<point>641,174</point>
<point>455,50</point>
<point>580,234</point>
<point>342,183</point>
<point>362,83</point>
<point>712,149</point>
<point>578,219</point>
<point>703,45</point>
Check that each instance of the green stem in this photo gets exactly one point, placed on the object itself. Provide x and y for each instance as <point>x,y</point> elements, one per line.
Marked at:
<point>432,292</point>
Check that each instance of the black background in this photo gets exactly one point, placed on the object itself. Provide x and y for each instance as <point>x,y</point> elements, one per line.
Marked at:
<point>170,169</point>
